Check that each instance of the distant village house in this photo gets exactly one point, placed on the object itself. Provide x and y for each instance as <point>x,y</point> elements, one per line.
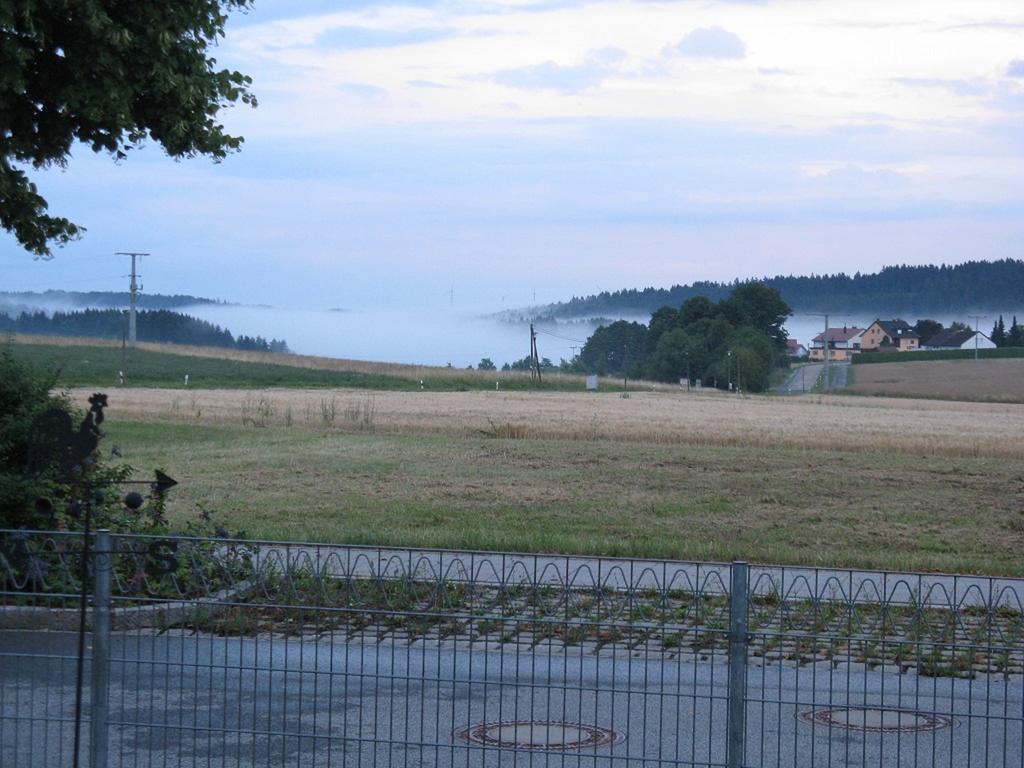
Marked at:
<point>795,349</point>
<point>960,339</point>
<point>842,343</point>
<point>890,336</point>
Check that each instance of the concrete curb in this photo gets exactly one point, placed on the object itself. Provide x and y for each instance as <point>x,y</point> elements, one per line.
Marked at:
<point>137,617</point>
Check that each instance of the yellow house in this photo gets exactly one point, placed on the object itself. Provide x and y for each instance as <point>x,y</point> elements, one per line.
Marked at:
<point>893,334</point>
<point>842,344</point>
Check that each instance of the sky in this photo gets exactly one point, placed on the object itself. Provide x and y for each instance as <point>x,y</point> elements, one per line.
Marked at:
<point>499,153</point>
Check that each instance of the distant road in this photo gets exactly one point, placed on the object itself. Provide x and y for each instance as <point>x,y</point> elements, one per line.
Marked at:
<point>803,379</point>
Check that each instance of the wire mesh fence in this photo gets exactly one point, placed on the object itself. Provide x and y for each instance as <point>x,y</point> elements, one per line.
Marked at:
<point>216,652</point>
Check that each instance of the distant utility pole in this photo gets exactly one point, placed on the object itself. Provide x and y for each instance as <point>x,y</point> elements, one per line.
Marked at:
<point>625,381</point>
<point>133,297</point>
<point>124,343</point>
<point>825,351</point>
<point>534,357</point>
<point>828,372</point>
<point>451,296</point>
<point>977,319</point>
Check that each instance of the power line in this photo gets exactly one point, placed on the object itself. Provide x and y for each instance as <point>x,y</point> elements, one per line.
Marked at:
<point>563,338</point>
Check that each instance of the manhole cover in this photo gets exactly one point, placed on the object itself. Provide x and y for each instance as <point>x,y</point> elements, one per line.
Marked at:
<point>539,734</point>
<point>874,720</point>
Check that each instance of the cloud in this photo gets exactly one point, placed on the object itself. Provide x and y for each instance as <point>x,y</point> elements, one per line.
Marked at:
<point>361,89</point>
<point>1016,68</point>
<point>1009,97</point>
<point>993,24</point>
<point>425,84</point>
<point>354,37</point>
<point>770,71</point>
<point>974,87</point>
<point>710,43</point>
<point>571,78</point>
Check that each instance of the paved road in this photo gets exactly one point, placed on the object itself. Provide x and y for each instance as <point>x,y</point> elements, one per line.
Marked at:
<point>803,379</point>
<point>198,701</point>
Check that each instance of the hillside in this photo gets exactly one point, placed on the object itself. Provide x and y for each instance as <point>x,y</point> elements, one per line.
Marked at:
<point>19,301</point>
<point>930,289</point>
<point>96,362</point>
<point>155,325</point>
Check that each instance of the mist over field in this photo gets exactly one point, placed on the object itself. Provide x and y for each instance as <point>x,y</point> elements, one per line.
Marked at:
<point>460,336</point>
<point>413,335</point>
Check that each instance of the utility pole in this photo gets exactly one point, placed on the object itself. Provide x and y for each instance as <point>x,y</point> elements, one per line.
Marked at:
<point>977,319</point>
<point>133,297</point>
<point>824,338</point>
<point>625,383</point>
<point>825,350</point>
<point>534,357</point>
<point>124,344</point>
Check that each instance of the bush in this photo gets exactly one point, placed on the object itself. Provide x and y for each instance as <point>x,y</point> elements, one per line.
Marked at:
<point>40,486</point>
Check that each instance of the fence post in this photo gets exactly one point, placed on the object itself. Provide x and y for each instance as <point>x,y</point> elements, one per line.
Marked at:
<point>737,716</point>
<point>103,557</point>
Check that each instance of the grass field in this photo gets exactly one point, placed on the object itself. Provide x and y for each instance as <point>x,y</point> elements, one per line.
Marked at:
<point>982,380</point>
<point>96,362</point>
<point>830,481</point>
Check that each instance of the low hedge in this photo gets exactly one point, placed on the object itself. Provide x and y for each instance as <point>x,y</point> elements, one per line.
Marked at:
<point>936,354</point>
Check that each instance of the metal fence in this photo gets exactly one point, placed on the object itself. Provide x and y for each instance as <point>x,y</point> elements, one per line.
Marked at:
<point>212,652</point>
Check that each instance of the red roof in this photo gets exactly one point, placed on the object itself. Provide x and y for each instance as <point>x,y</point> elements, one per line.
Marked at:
<point>840,334</point>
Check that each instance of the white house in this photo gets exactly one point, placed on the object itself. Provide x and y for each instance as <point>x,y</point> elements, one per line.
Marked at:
<point>959,339</point>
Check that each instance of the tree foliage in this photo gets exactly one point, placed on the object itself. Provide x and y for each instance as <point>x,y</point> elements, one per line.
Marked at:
<point>927,329</point>
<point>34,491</point>
<point>739,339</point>
<point>620,347</point>
<point>109,74</point>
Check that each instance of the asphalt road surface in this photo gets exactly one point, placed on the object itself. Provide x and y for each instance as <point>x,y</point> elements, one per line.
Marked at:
<point>803,379</point>
<point>180,699</point>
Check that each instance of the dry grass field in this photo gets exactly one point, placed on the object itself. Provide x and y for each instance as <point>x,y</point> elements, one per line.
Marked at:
<point>706,418</point>
<point>833,481</point>
<point>981,380</point>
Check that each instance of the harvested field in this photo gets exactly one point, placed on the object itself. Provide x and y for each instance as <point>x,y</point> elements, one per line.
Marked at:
<point>977,380</point>
<point>837,481</point>
<point>814,422</point>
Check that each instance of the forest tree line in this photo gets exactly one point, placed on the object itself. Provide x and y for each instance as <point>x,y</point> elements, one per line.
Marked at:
<point>155,325</point>
<point>918,289</point>
<point>100,299</point>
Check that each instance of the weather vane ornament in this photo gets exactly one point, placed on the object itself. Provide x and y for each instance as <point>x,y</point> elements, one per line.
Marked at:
<point>55,441</point>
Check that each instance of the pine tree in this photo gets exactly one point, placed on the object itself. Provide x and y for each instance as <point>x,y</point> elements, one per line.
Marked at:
<point>1015,338</point>
<point>999,333</point>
